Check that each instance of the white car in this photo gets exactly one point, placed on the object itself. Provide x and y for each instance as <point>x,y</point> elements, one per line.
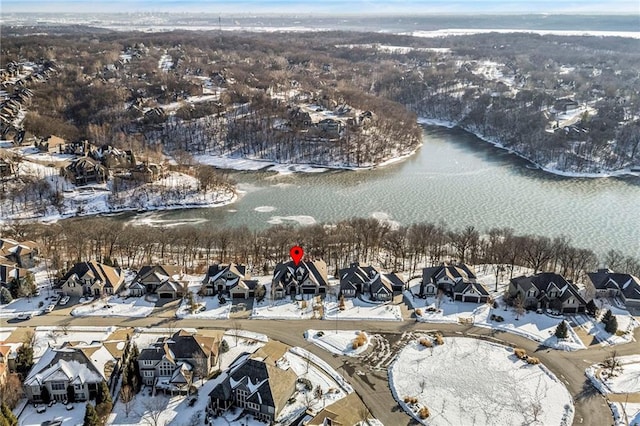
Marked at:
<point>24,316</point>
<point>64,300</point>
<point>50,307</point>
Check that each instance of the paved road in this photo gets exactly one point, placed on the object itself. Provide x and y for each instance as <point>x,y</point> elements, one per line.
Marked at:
<point>372,387</point>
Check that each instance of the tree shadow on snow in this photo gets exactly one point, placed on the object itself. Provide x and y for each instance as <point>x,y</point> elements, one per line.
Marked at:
<point>588,391</point>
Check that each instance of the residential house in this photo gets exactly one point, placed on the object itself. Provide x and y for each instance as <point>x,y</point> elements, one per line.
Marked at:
<point>362,279</point>
<point>457,281</point>
<point>147,172</point>
<point>611,284</point>
<point>22,253</point>
<point>258,387</point>
<point>308,277</point>
<point>113,158</point>
<point>548,290</point>
<point>232,280</point>
<point>85,170</point>
<point>7,360</point>
<point>51,143</point>
<point>158,279</point>
<point>344,412</point>
<point>171,364</point>
<point>91,279</point>
<point>10,271</point>
<point>82,367</point>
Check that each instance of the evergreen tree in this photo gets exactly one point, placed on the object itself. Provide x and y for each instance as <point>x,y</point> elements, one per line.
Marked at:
<point>561,330</point>
<point>224,346</point>
<point>45,395</point>
<point>8,415</point>
<point>4,421</point>
<point>90,416</point>
<point>5,296</point>
<point>612,325</point>
<point>24,358</point>
<point>607,316</point>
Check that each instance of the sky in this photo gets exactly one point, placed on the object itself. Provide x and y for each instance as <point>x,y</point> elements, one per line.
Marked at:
<point>328,7</point>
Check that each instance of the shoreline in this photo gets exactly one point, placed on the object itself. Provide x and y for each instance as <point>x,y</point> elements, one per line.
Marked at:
<point>116,211</point>
<point>254,165</point>
<point>585,175</point>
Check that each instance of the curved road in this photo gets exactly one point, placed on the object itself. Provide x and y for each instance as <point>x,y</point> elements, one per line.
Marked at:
<point>373,387</point>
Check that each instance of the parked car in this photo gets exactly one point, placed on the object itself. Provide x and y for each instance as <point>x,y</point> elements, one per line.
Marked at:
<point>41,408</point>
<point>50,307</point>
<point>69,407</point>
<point>64,300</point>
<point>23,316</point>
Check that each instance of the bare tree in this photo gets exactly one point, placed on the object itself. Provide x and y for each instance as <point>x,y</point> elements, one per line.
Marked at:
<point>153,409</point>
<point>200,366</point>
<point>518,306</point>
<point>236,331</point>
<point>127,395</point>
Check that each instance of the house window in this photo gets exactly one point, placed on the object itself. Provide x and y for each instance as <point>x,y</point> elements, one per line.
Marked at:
<point>553,294</point>
<point>572,301</point>
<point>77,387</point>
<point>147,362</point>
<point>58,386</point>
<point>148,373</point>
<point>35,390</point>
<point>531,293</point>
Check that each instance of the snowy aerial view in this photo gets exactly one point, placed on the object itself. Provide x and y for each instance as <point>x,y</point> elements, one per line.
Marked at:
<point>298,213</point>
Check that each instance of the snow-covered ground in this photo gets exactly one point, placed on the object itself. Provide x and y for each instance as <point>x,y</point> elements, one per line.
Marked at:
<point>626,325</point>
<point>356,309</point>
<point>115,306</point>
<point>534,326</point>
<point>30,417</point>
<point>339,342</point>
<point>284,309</point>
<point>468,381</point>
<point>212,309</point>
<point>624,380</point>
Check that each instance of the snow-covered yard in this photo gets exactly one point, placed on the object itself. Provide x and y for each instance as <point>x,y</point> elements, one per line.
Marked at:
<point>284,309</point>
<point>538,327</point>
<point>356,309</point>
<point>339,342</point>
<point>467,381</point>
<point>209,307</point>
<point>30,417</point>
<point>115,306</point>
<point>626,325</point>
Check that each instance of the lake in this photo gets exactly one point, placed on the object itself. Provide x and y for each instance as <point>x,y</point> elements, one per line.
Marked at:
<point>455,178</point>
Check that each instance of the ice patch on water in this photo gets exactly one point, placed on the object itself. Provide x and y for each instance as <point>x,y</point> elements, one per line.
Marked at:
<point>265,209</point>
<point>300,219</point>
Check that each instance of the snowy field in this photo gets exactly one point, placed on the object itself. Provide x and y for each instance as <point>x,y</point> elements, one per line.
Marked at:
<point>212,309</point>
<point>133,307</point>
<point>338,342</point>
<point>534,326</point>
<point>468,381</point>
<point>356,309</point>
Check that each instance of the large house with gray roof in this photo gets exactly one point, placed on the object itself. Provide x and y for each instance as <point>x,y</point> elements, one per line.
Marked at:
<point>231,280</point>
<point>307,277</point>
<point>548,290</point>
<point>611,284</point>
<point>162,280</point>
<point>171,364</point>
<point>458,281</point>
<point>257,386</point>
<point>363,279</point>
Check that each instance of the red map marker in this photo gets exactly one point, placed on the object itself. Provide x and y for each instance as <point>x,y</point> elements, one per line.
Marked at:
<point>296,254</point>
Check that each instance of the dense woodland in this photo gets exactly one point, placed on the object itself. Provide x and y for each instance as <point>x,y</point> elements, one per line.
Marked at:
<point>366,240</point>
<point>504,87</point>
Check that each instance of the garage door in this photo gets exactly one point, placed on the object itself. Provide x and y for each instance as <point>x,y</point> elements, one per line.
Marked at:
<point>309,290</point>
<point>238,295</point>
<point>473,299</point>
<point>166,295</point>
